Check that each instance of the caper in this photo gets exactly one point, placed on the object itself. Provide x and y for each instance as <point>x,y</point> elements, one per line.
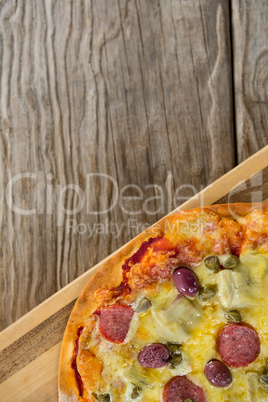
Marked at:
<point>102,397</point>
<point>231,262</point>
<point>174,349</point>
<point>264,380</point>
<point>143,305</point>
<point>207,292</point>
<point>265,369</point>
<point>212,262</point>
<point>233,316</point>
<point>135,392</point>
<point>175,361</point>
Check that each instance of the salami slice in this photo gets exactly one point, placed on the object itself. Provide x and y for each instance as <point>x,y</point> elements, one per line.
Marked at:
<point>114,322</point>
<point>238,345</point>
<point>180,388</point>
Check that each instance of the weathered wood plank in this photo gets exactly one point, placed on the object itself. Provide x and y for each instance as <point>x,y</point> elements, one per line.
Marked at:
<point>137,90</point>
<point>250,61</point>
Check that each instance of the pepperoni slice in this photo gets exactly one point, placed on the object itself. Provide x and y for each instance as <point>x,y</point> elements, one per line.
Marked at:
<point>179,388</point>
<point>238,345</point>
<point>154,355</point>
<point>114,322</point>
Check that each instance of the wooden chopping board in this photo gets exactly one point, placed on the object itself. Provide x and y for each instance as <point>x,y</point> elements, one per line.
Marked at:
<point>30,348</point>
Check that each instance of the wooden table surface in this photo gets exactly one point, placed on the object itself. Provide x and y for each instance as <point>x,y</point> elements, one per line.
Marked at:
<point>165,95</point>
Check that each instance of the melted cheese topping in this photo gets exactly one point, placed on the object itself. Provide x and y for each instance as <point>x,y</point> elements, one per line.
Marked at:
<point>250,280</point>
<point>196,326</point>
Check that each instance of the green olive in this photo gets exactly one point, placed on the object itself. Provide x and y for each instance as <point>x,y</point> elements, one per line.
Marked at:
<point>265,369</point>
<point>233,316</point>
<point>143,305</point>
<point>231,262</point>
<point>135,393</point>
<point>174,349</point>
<point>212,262</point>
<point>175,361</point>
<point>207,292</point>
<point>189,400</point>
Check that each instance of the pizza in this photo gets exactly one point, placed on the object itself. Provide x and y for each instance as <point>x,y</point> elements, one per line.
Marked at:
<point>179,314</point>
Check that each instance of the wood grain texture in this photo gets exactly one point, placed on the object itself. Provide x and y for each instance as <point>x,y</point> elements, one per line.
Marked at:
<point>34,343</point>
<point>250,64</point>
<point>44,371</point>
<point>137,90</point>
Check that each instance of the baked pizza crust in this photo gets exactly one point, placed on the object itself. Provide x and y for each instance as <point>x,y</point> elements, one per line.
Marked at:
<point>111,272</point>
